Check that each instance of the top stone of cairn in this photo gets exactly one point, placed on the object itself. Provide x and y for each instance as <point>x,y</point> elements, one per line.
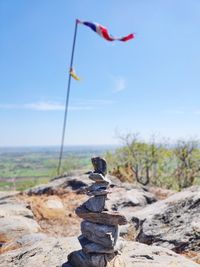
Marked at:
<point>100,165</point>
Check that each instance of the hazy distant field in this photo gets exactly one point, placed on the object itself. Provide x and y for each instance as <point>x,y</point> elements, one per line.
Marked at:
<point>21,168</point>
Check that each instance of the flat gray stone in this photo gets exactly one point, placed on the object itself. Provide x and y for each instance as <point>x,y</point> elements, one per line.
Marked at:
<point>101,234</point>
<point>98,189</point>
<point>91,247</point>
<point>81,259</point>
<point>108,218</point>
<point>97,186</point>
<point>98,177</point>
<point>99,193</point>
<point>95,204</point>
<point>78,259</point>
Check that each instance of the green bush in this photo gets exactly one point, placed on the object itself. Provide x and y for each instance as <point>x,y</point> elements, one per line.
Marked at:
<point>174,166</point>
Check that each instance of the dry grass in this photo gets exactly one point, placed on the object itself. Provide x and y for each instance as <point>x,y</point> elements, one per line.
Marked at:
<point>56,221</point>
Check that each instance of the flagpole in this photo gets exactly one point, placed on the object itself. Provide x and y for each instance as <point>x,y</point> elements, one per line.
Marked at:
<point>67,101</point>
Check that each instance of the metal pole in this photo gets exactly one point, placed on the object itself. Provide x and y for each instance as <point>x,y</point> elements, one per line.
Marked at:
<point>67,101</point>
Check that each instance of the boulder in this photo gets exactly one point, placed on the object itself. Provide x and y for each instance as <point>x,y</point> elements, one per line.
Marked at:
<point>48,208</point>
<point>141,255</point>
<point>49,252</point>
<point>13,227</point>
<point>15,209</point>
<point>172,223</point>
<point>71,182</point>
<point>127,200</point>
<point>25,240</point>
<point>16,219</point>
<point>6,197</point>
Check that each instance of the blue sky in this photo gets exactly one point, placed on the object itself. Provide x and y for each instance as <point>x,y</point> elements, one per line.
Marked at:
<point>148,85</point>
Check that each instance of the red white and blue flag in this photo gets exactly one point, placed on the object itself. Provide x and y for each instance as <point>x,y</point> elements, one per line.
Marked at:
<point>103,32</point>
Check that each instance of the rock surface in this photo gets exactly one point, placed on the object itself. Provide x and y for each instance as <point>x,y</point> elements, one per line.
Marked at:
<point>141,255</point>
<point>173,222</point>
<point>52,252</point>
<point>16,220</point>
<point>15,227</point>
<point>25,240</point>
<point>71,182</point>
<point>127,200</point>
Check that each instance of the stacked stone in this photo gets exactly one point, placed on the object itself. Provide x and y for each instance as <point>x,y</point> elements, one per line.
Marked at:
<point>100,227</point>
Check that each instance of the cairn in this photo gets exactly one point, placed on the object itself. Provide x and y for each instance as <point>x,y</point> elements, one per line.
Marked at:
<point>99,227</point>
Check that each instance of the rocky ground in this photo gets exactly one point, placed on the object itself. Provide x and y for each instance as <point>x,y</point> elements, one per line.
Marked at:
<point>40,228</point>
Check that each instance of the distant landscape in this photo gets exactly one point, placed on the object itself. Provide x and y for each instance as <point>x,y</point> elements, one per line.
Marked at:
<point>24,167</point>
<point>154,163</point>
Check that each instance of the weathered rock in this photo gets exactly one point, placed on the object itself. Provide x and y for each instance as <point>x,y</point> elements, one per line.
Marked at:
<point>47,207</point>
<point>16,219</point>
<point>127,201</point>
<point>173,222</point>
<point>13,227</point>
<point>95,204</point>
<point>15,209</point>
<point>52,252</point>
<point>141,255</point>
<point>110,218</point>
<point>25,240</point>
<point>49,252</point>
<point>8,197</point>
<point>101,234</point>
<point>72,182</point>
<point>54,203</point>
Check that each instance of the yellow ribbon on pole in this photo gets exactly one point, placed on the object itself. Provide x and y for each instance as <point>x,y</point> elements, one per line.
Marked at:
<point>73,74</point>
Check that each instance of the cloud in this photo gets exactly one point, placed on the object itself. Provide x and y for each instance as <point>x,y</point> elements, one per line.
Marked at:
<point>41,106</point>
<point>44,106</point>
<point>88,104</point>
<point>119,84</point>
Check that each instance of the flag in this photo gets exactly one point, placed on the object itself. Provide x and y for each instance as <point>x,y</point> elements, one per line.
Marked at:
<point>103,32</point>
<point>73,74</point>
